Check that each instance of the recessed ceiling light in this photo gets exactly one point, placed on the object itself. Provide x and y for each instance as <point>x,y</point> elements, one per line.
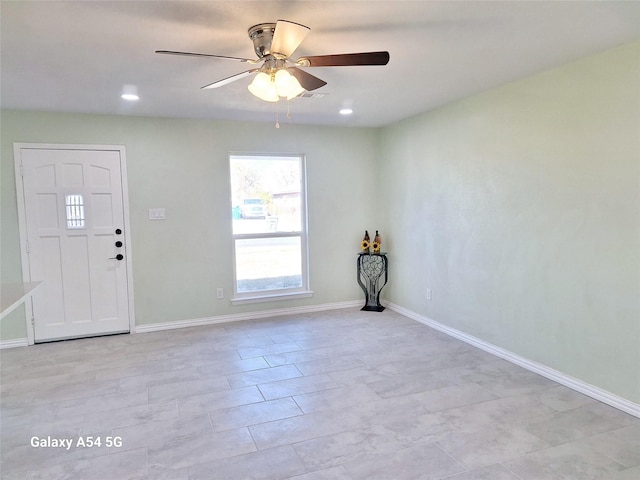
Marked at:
<point>346,111</point>
<point>130,93</point>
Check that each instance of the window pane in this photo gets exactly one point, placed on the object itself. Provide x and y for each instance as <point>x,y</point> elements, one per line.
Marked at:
<point>266,194</point>
<point>75,211</point>
<point>268,264</point>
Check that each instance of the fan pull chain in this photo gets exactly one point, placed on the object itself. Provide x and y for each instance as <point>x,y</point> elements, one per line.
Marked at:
<point>278,112</point>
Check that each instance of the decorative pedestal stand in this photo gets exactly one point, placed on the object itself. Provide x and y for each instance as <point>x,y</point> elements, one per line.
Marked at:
<point>371,268</point>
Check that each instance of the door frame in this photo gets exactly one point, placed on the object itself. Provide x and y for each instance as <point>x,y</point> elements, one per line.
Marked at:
<point>22,221</point>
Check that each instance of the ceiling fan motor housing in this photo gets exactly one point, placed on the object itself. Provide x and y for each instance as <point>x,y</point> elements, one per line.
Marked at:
<point>261,35</point>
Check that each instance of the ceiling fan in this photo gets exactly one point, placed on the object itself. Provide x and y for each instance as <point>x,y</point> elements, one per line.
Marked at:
<point>279,76</point>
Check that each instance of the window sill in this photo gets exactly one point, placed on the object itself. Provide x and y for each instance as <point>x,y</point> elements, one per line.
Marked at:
<point>271,297</point>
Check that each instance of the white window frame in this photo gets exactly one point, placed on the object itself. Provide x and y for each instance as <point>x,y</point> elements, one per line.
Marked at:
<point>285,293</point>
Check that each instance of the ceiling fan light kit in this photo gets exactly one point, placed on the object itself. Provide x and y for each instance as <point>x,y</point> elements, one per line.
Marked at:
<point>274,80</point>
<point>279,76</point>
<point>270,87</point>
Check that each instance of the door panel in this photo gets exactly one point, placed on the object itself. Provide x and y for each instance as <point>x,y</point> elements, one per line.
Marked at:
<point>73,204</point>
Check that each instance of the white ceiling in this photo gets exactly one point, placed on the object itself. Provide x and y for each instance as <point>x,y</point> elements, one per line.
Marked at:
<point>76,56</point>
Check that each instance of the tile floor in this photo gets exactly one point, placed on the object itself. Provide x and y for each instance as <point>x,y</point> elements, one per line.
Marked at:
<point>340,395</point>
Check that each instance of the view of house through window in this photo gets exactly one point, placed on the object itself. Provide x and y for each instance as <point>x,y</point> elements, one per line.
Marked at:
<point>269,228</point>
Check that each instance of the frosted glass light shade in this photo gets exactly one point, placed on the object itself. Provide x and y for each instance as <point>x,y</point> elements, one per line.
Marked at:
<point>288,86</point>
<point>264,88</point>
<point>271,87</point>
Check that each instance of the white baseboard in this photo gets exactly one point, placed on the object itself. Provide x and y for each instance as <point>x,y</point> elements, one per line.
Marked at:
<point>13,343</point>
<point>239,317</point>
<point>559,377</point>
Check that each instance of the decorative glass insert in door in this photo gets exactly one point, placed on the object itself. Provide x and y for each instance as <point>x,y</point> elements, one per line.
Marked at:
<point>75,211</point>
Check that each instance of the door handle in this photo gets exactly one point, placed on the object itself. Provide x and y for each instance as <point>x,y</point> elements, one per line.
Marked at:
<point>117,257</point>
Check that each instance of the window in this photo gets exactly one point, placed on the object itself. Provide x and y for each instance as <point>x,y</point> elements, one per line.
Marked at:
<point>75,211</point>
<point>268,209</point>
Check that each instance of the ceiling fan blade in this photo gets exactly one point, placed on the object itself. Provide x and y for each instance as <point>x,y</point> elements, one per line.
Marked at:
<point>232,78</point>
<point>287,36</point>
<point>345,59</point>
<point>306,80</point>
<point>190,54</point>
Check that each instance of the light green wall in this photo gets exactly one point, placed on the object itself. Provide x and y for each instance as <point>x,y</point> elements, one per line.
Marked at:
<point>520,209</point>
<point>182,166</point>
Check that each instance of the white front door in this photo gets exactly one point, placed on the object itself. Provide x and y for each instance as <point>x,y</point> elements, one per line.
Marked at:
<point>74,213</point>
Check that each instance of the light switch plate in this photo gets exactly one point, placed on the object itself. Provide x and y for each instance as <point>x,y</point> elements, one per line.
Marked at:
<point>156,214</point>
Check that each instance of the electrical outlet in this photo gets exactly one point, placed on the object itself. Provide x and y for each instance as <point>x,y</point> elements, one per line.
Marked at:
<point>220,292</point>
<point>428,294</point>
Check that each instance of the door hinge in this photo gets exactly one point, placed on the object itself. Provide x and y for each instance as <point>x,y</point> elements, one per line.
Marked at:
<point>21,170</point>
<point>33,321</point>
<point>27,247</point>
